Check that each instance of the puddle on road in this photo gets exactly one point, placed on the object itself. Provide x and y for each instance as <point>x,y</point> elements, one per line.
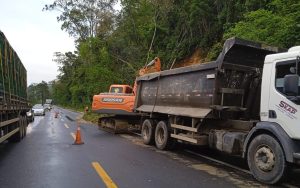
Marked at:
<point>34,124</point>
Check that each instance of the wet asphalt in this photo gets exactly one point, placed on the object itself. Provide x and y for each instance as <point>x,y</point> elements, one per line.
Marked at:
<point>46,157</point>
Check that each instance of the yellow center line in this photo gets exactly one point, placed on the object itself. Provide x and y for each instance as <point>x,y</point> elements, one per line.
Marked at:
<point>73,135</point>
<point>104,176</point>
<point>66,126</point>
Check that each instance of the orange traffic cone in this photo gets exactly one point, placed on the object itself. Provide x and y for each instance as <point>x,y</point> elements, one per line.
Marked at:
<point>78,137</point>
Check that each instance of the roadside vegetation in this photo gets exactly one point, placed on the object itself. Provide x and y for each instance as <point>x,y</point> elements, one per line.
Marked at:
<point>91,117</point>
<point>111,45</point>
<point>37,93</point>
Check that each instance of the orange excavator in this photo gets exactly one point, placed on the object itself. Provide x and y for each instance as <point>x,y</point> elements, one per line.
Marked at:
<point>116,106</point>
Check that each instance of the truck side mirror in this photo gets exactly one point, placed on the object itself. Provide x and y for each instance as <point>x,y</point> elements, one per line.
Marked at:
<point>290,84</point>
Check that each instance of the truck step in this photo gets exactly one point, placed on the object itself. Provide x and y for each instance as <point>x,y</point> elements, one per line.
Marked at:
<point>228,108</point>
<point>192,129</point>
<point>201,140</point>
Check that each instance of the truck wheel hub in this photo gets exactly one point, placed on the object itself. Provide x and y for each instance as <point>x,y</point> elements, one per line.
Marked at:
<point>160,136</point>
<point>146,132</point>
<point>265,159</point>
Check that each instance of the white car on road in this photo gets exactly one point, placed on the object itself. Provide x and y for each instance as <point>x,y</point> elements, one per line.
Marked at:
<point>38,109</point>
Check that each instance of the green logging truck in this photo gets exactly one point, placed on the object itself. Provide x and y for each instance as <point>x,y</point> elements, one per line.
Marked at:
<point>13,94</point>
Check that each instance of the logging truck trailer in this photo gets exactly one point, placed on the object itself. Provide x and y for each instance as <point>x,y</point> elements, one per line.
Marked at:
<point>246,103</point>
<point>13,94</point>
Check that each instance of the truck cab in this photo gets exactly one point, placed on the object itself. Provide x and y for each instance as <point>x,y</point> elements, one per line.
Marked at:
<point>280,91</point>
<point>275,140</point>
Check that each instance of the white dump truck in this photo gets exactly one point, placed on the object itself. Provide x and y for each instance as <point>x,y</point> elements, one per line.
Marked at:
<point>246,103</point>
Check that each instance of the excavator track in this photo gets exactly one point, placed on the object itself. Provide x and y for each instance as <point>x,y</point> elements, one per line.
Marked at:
<point>113,125</point>
<point>119,124</point>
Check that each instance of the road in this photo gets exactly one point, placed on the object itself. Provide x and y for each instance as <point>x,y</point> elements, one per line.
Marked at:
<point>48,158</point>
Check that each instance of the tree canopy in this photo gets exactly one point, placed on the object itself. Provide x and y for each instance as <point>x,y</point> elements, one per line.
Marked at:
<point>111,46</point>
<point>38,92</point>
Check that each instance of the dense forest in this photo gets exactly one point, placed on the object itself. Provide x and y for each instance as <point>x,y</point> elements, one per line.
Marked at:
<point>39,92</point>
<point>112,45</point>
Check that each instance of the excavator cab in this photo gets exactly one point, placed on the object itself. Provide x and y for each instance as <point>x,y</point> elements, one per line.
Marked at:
<point>126,89</point>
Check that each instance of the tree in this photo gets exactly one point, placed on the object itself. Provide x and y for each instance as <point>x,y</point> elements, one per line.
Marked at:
<point>38,92</point>
<point>277,24</point>
<point>112,46</point>
<point>82,18</point>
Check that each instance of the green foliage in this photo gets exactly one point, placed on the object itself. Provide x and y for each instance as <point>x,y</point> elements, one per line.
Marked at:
<point>214,52</point>
<point>38,92</point>
<point>91,117</point>
<point>81,18</point>
<point>276,25</point>
<point>112,46</point>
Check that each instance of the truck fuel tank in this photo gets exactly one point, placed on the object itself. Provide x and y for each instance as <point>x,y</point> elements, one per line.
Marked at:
<point>227,141</point>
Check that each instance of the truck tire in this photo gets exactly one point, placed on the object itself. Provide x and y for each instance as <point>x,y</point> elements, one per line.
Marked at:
<point>21,122</point>
<point>162,136</point>
<point>148,130</point>
<point>17,137</point>
<point>25,126</point>
<point>22,127</point>
<point>266,159</point>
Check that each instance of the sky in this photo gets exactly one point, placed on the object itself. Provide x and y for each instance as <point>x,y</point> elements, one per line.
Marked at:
<point>35,35</point>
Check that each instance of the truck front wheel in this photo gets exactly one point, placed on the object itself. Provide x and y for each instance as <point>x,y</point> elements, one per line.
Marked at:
<point>148,129</point>
<point>266,159</point>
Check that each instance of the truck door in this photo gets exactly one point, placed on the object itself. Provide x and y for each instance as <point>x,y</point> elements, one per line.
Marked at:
<point>281,109</point>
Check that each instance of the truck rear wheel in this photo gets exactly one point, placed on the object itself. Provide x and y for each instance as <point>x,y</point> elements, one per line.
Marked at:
<point>17,137</point>
<point>266,159</point>
<point>148,130</point>
<point>21,122</point>
<point>24,126</point>
<point>162,136</point>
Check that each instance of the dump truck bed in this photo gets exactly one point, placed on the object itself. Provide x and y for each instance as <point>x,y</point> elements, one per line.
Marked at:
<point>198,90</point>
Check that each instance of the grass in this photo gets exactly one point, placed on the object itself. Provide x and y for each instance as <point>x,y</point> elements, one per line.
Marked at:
<point>92,117</point>
<point>89,116</point>
<point>77,109</point>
